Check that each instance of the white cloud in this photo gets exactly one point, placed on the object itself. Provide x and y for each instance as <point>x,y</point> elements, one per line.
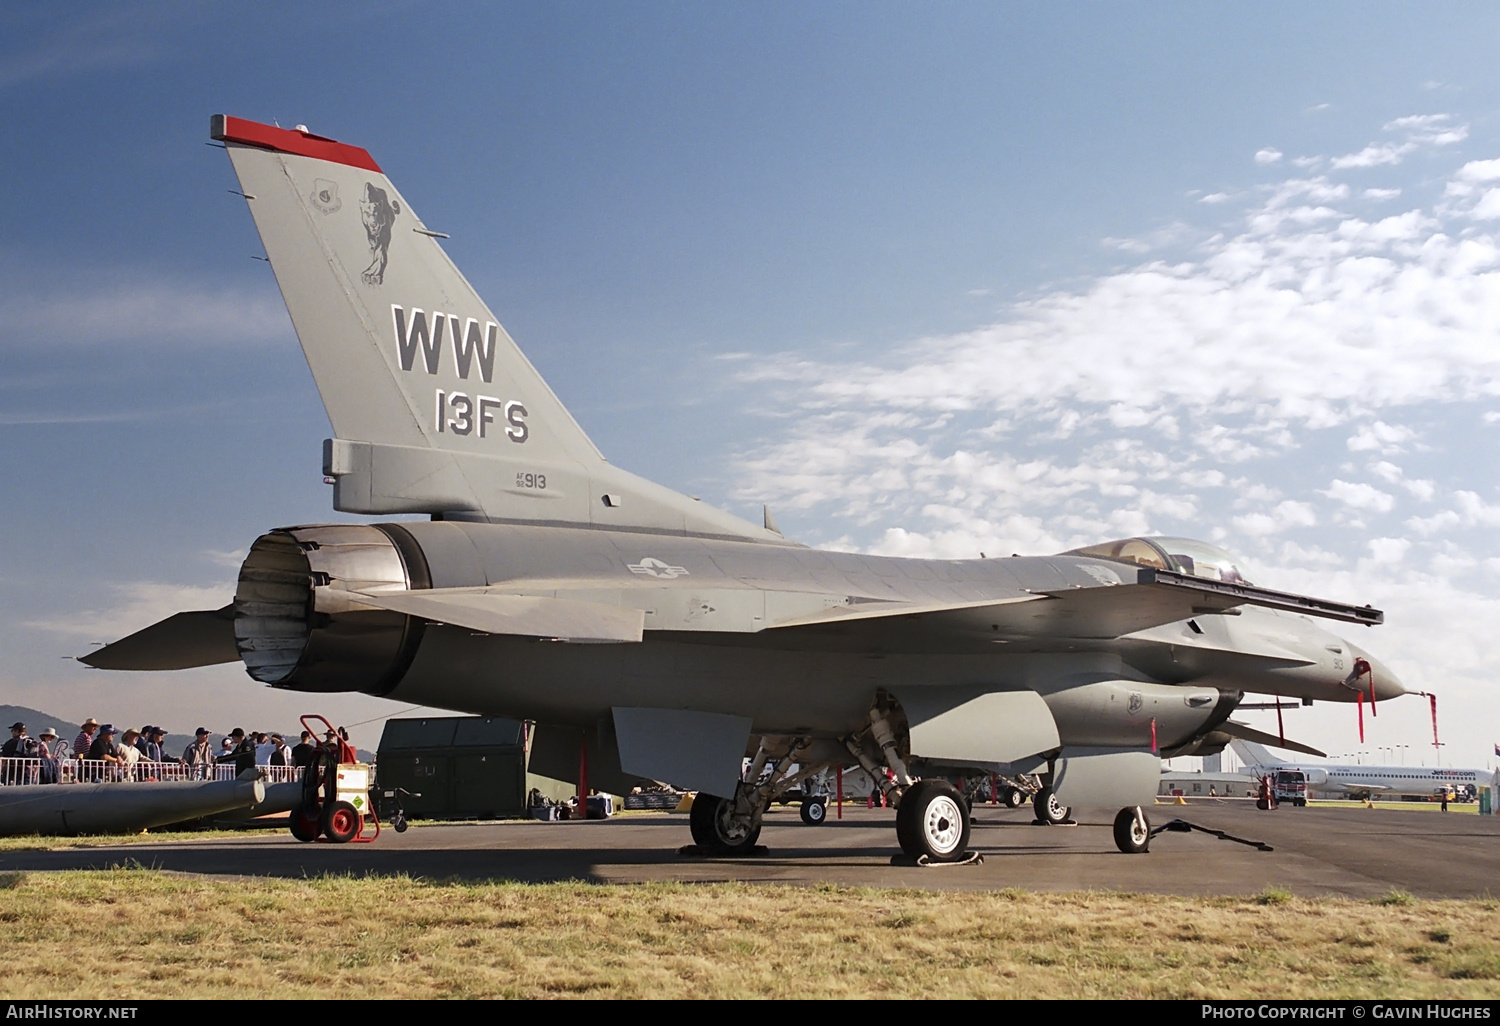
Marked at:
<point>1285,515</point>
<point>1381,194</point>
<point>1434,524</point>
<point>1268,156</point>
<point>1373,155</point>
<point>1359,495</point>
<point>1488,207</point>
<point>1475,511</point>
<point>1479,171</point>
<point>1380,437</point>
<point>132,307</point>
<point>1388,550</point>
<point>1422,488</point>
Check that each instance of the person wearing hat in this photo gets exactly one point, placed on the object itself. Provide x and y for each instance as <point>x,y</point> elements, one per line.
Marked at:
<point>281,754</point>
<point>243,753</point>
<point>18,747</point>
<point>155,750</point>
<point>199,756</point>
<point>85,739</point>
<point>51,750</point>
<point>130,754</point>
<point>106,749</point>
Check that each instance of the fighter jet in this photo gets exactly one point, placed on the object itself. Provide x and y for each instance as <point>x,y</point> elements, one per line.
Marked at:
<point>651,636</point>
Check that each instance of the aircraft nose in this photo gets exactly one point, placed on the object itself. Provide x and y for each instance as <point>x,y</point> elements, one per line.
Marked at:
<point>1387,684</point>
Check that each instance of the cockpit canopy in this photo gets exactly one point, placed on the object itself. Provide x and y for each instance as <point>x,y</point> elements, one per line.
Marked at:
<point>1183,555</point>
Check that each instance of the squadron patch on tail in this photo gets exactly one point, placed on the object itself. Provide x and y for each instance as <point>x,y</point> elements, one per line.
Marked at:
<point>379,215</point>
<point>325,196</point>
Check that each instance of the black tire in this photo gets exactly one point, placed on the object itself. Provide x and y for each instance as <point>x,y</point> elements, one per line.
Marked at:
<point>341,822</point>
<point>1048,809</point>
<point>815,811</point>
<point>1014,797</point>
<point>933,820</point>
<point>400,824</point>
<point>305,825</point>
<point>706,821</point>
<point>1132,836</point>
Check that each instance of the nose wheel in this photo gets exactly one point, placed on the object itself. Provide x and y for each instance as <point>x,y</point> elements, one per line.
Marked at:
<point>1132,830</point>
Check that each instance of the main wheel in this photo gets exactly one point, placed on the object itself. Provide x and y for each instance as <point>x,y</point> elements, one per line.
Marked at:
<point>933,820</point>
<point>341,822</point>
<point>814,811</point>
<point>1013,797</point>
<point>715,831</point>
<point>1048,809</point>
<point>1132,830</point>
<point>304,824</point>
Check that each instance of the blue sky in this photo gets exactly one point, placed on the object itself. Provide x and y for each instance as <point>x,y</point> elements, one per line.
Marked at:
<point>931,280</point>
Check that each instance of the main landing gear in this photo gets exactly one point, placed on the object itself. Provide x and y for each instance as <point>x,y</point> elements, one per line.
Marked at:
<point>933,821</point>
<point>1048,809</point>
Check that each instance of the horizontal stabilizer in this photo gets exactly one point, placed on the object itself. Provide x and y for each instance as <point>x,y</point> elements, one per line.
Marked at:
<point>494,612</point>
<point>1260,737</point>
<point>202,637</point>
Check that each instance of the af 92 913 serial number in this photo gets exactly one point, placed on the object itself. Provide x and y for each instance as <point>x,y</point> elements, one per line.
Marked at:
<point>536,481</point>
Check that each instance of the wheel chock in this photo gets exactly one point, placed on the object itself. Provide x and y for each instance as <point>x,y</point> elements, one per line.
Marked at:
<point>970,858</point>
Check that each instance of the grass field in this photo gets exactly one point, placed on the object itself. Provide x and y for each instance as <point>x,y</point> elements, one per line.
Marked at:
<point>136,933</point>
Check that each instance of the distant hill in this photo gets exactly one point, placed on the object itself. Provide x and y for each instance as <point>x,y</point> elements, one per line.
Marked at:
<point>36,721</point>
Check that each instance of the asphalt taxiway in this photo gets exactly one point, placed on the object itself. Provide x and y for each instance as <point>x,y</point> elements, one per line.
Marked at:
<point>1353,852</point>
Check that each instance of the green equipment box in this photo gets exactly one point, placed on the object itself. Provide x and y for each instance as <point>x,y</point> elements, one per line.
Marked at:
<point>464,767</point>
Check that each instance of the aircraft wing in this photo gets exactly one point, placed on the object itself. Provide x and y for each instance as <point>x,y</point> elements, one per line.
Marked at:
<point>202,637</point>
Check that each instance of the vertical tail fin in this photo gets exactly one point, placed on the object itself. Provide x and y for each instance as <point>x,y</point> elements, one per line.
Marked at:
<point>434,407</point>
<point>1252,754</point>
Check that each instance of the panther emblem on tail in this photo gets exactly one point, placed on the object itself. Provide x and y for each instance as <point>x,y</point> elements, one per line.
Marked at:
<point>378,212</point>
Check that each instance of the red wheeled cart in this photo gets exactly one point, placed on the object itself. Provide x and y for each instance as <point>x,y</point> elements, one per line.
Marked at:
<point>335,792</point>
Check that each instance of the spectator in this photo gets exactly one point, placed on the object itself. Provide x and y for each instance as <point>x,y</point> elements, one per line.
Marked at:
<point>19,744</point>
<point>106,750</point>
<point>155,748</point>
<point>199,756</point>
<point>50,745</point>
<point>226,747</point>
<point>281,755</point>
<point>141,741</point>
<point>302,755</point>
<point>263,748</point>
<point>52,751</point>
<point>243,755</point>
<point>130,755</point>
<point>85,739</point>
<point>18,747</point>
